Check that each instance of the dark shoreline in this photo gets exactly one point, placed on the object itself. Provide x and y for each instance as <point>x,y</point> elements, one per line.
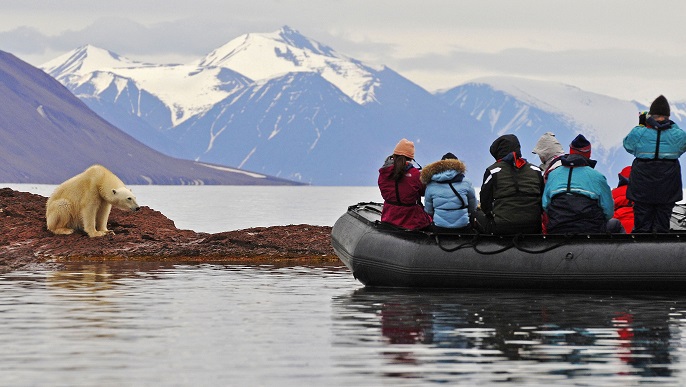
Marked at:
<point>147,235</point>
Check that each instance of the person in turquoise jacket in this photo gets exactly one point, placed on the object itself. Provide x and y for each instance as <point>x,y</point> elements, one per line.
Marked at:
<point>449,198</point>
<point>655,185</point>
<point>577,198</point>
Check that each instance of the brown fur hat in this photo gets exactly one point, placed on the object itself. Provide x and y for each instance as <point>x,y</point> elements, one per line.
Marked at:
<point>441,166</point>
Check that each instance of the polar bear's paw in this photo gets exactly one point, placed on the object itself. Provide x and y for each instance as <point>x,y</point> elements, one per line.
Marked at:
<point>96,234</point>
<point>63,231</point>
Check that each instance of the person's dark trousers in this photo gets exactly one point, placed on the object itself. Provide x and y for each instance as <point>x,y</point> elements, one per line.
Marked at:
<point>484,224</point>
<point>614,226</point>
<point>652,217</point>
<point>444,230</point>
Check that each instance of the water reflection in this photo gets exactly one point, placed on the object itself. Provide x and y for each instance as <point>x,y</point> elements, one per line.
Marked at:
<point>505,336</point>
<point>157,324</point>
<point>140,323</point>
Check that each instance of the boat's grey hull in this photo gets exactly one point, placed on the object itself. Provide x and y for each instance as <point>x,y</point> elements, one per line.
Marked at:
<point>379,257</point>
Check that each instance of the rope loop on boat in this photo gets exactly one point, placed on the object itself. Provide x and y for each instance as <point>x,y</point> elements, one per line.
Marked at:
<point>469,243</point>
<point>518,237</point>
<point>515,242</point>
<point>476,248</point>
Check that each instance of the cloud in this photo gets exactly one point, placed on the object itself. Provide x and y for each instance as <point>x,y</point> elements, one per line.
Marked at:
<point>185,37</point>
<point>528,62</point>
<point>24,40</point>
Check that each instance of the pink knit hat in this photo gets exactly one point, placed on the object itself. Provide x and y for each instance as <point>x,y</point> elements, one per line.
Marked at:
<point>405,148</point>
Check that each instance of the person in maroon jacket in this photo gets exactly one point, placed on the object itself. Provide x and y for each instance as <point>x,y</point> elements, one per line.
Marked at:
<point>402,190</point>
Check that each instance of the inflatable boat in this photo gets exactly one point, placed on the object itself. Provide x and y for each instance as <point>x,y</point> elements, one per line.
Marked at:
<point>380,255</point>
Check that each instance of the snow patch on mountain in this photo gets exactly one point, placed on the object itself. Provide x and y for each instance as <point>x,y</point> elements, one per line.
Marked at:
<point>234,170</point>
<point>187,90</point>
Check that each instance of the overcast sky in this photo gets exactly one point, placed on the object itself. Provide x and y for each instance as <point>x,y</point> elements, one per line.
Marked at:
<point>623,48</point>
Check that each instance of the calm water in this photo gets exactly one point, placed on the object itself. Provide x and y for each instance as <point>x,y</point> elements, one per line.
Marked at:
<point>216,325</point>
<point>150,324</point>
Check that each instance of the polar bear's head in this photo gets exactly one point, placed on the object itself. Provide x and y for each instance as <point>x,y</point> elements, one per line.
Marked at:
<point>123,198</point>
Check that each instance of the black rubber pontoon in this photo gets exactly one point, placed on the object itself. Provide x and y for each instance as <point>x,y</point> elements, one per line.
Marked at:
<point>382,255</point>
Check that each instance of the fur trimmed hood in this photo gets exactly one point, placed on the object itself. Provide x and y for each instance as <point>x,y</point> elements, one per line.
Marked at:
<point>441,166</point>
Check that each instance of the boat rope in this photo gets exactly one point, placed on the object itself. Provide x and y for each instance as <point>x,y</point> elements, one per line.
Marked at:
<point>469,243</point>
<point>473,243</point>
<point>516,239</point>
<point>515,242</point>
<point>505,248</point>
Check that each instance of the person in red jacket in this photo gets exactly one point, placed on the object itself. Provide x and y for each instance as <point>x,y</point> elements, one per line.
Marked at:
<point>624,208</point>
<point>402,190</point>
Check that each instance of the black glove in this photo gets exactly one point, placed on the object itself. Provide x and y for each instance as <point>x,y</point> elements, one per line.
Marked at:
<point>642,118</point>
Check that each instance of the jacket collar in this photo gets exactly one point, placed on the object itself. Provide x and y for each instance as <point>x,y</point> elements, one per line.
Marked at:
<point>514,159</point>
<point>653,124</point>
<point>577,160</point>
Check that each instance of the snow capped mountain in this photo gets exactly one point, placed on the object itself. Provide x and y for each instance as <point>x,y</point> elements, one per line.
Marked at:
<point>282,104</point>
<point>86,59</point>
<point>185,90</point>
<point>264,56</point>
<point>278,103</point>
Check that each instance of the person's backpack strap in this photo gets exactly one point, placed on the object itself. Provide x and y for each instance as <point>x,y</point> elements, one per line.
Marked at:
<point>464,205</point>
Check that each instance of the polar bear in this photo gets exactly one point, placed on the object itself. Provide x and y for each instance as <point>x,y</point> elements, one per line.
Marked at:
<point>84,202</point>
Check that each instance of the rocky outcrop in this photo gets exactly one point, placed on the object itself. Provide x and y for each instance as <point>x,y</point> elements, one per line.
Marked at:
<point>146,235</point>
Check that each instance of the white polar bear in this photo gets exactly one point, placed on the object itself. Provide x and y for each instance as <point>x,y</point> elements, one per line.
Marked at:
<point>84,202</point>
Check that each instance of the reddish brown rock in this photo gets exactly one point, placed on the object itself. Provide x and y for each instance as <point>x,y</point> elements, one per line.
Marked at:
<point>146,235</point>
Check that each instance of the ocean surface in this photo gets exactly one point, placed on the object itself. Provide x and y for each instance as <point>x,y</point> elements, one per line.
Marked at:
<point>147,323</point>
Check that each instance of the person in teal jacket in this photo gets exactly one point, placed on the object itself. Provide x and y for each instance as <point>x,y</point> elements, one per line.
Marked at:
<point>449,198</point>
<point>577,198</point>
<point>655,185</point>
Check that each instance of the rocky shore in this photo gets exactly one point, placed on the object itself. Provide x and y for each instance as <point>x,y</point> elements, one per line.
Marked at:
<point>146,235</point>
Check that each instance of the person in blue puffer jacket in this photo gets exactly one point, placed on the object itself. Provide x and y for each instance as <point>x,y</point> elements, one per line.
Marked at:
<point>577,198</point>
<point>655,184</point>
<point>449,198</point>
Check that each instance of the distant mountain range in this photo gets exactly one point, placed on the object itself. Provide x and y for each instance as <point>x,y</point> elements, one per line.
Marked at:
<point>47,135</point>
<point>285,105</point>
